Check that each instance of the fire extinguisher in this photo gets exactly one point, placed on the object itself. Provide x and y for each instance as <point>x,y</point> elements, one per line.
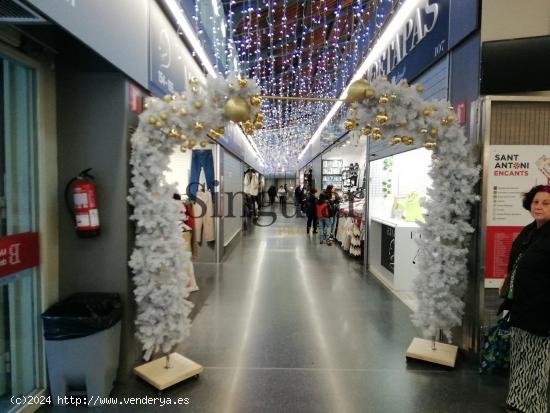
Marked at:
<point>81,200</point>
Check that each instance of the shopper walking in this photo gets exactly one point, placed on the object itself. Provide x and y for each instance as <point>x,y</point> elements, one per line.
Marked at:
<point>323,217</point>
<point>272,193</point>
<point>311,210</point>
<point>282,195</point>
<point>528,296</point>
<point>298,196</point>
<point>334,206</point>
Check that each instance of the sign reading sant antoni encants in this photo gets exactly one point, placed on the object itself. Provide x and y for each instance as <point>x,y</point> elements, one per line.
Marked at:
<point>513,170</point>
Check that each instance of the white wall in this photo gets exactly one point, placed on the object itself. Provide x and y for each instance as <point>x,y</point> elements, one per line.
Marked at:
<point>512,19</point>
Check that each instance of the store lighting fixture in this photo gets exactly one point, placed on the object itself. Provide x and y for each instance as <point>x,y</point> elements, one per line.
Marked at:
<point>383,41</point>
<point>190,35</point>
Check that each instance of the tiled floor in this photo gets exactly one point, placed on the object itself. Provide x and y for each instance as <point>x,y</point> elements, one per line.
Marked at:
<point>288,325</point>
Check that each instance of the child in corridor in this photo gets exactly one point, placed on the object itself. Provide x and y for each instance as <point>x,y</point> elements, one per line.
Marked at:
<point>323,217</point>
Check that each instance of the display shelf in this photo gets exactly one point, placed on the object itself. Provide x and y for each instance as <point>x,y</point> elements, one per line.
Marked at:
<point>331,173</point>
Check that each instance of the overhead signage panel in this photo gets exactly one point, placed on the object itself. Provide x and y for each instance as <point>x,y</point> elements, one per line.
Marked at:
<point>420,41</point>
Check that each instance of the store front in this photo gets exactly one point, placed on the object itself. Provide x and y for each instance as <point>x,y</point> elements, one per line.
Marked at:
<point>19,293</point>
<point>398,185</point>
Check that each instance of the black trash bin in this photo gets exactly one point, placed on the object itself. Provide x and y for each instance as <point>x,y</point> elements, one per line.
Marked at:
<point>82,336</point>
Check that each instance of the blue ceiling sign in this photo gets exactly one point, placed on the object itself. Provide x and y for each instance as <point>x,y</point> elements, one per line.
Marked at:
<point>417,44</point>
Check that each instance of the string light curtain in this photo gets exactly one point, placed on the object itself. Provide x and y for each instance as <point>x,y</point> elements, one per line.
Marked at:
<point>294,48</point>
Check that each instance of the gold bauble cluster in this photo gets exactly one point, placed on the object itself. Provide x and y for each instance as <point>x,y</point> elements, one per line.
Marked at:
<point>361,89</point>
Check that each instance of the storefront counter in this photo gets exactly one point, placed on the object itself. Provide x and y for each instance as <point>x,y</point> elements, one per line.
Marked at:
<point>392,251</point>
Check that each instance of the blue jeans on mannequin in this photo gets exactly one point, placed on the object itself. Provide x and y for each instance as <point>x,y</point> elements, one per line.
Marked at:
<point>201,159</point>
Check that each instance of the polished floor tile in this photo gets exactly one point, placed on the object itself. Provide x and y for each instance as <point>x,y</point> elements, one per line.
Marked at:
<point>285,324</point>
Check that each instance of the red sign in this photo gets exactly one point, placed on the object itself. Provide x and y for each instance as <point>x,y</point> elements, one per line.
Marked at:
<point>18,252</point>
<point>497,250</point>
<point>134,96</point>
<point>460,109</point>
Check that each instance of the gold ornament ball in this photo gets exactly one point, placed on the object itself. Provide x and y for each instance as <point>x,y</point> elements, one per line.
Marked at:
<point>420,88</point>
<point>152,120</point>
<point>230,87</point>
<point>255,101</point>
<point>450,119</point>
<point>163,115</point>
<point>393,97</point>
<point>174,109</point>
<point>395,140</point>
<point>193,80</point>
<point>183,113</point>
<point>159,124</point>
<point>430,145</point>
<point>427,112</point>
<point>195,89</point>
<point>381,119</point>
<point>203,144</point>
<point>258,125</point>
<point>198,105</point>
<point>407,140</point>
<point>383,100</point>
<point>167,98</point>
<point>357,91</point>
<point>174,134</point>
<point>260,117</point>
<point>350,125</point>
<point>369,93</point>
<point>376,134</point>
<point>424,130</point>
<point>146,105</point>
<point>366,130</point>
<point>243,83</point>
<point>199,126</point>
<point>192,142</point>
<point>236,109</point>
<point>433,131</point>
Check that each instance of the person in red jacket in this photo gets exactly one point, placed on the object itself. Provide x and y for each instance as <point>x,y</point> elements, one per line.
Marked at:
<point>323,218</point>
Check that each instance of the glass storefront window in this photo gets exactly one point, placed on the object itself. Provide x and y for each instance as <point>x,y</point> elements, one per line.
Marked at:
<point>19,309</point>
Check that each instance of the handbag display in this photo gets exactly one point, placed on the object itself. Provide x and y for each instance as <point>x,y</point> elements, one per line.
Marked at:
<point>495,348</point>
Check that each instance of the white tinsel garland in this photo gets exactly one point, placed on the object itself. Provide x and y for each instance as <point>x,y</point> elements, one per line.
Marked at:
<point>404,117</point>
<point>159,260</point>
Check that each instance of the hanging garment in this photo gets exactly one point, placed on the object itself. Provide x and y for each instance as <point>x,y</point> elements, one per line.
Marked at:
<point>201,160</point>
<point>192,284</point>
<point>251,183</point>
<point>204,217</point>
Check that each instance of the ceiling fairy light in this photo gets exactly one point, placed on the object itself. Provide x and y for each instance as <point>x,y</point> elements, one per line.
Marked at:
<point>399,18</point>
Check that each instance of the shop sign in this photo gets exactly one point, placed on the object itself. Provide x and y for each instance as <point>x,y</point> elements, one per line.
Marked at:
<point>420,41</point>
<point>170,63</point>
<point>512,171</point>
<point>18,252</point>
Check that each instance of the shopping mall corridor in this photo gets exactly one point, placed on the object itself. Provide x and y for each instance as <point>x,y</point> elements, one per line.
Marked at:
<point>288,325</point>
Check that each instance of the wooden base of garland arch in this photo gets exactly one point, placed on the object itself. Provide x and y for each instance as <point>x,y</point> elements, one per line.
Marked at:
<point>384,110</point>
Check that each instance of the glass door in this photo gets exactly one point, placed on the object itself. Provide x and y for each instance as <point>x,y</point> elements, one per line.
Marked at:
<point>19,306</point>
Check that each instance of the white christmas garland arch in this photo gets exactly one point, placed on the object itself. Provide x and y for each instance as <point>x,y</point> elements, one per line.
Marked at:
<point>381,108</point>
<point>159,261</point>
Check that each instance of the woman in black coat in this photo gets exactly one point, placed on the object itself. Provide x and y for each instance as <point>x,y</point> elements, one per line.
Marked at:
<point>529,298</point>
<point>311,210</point>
